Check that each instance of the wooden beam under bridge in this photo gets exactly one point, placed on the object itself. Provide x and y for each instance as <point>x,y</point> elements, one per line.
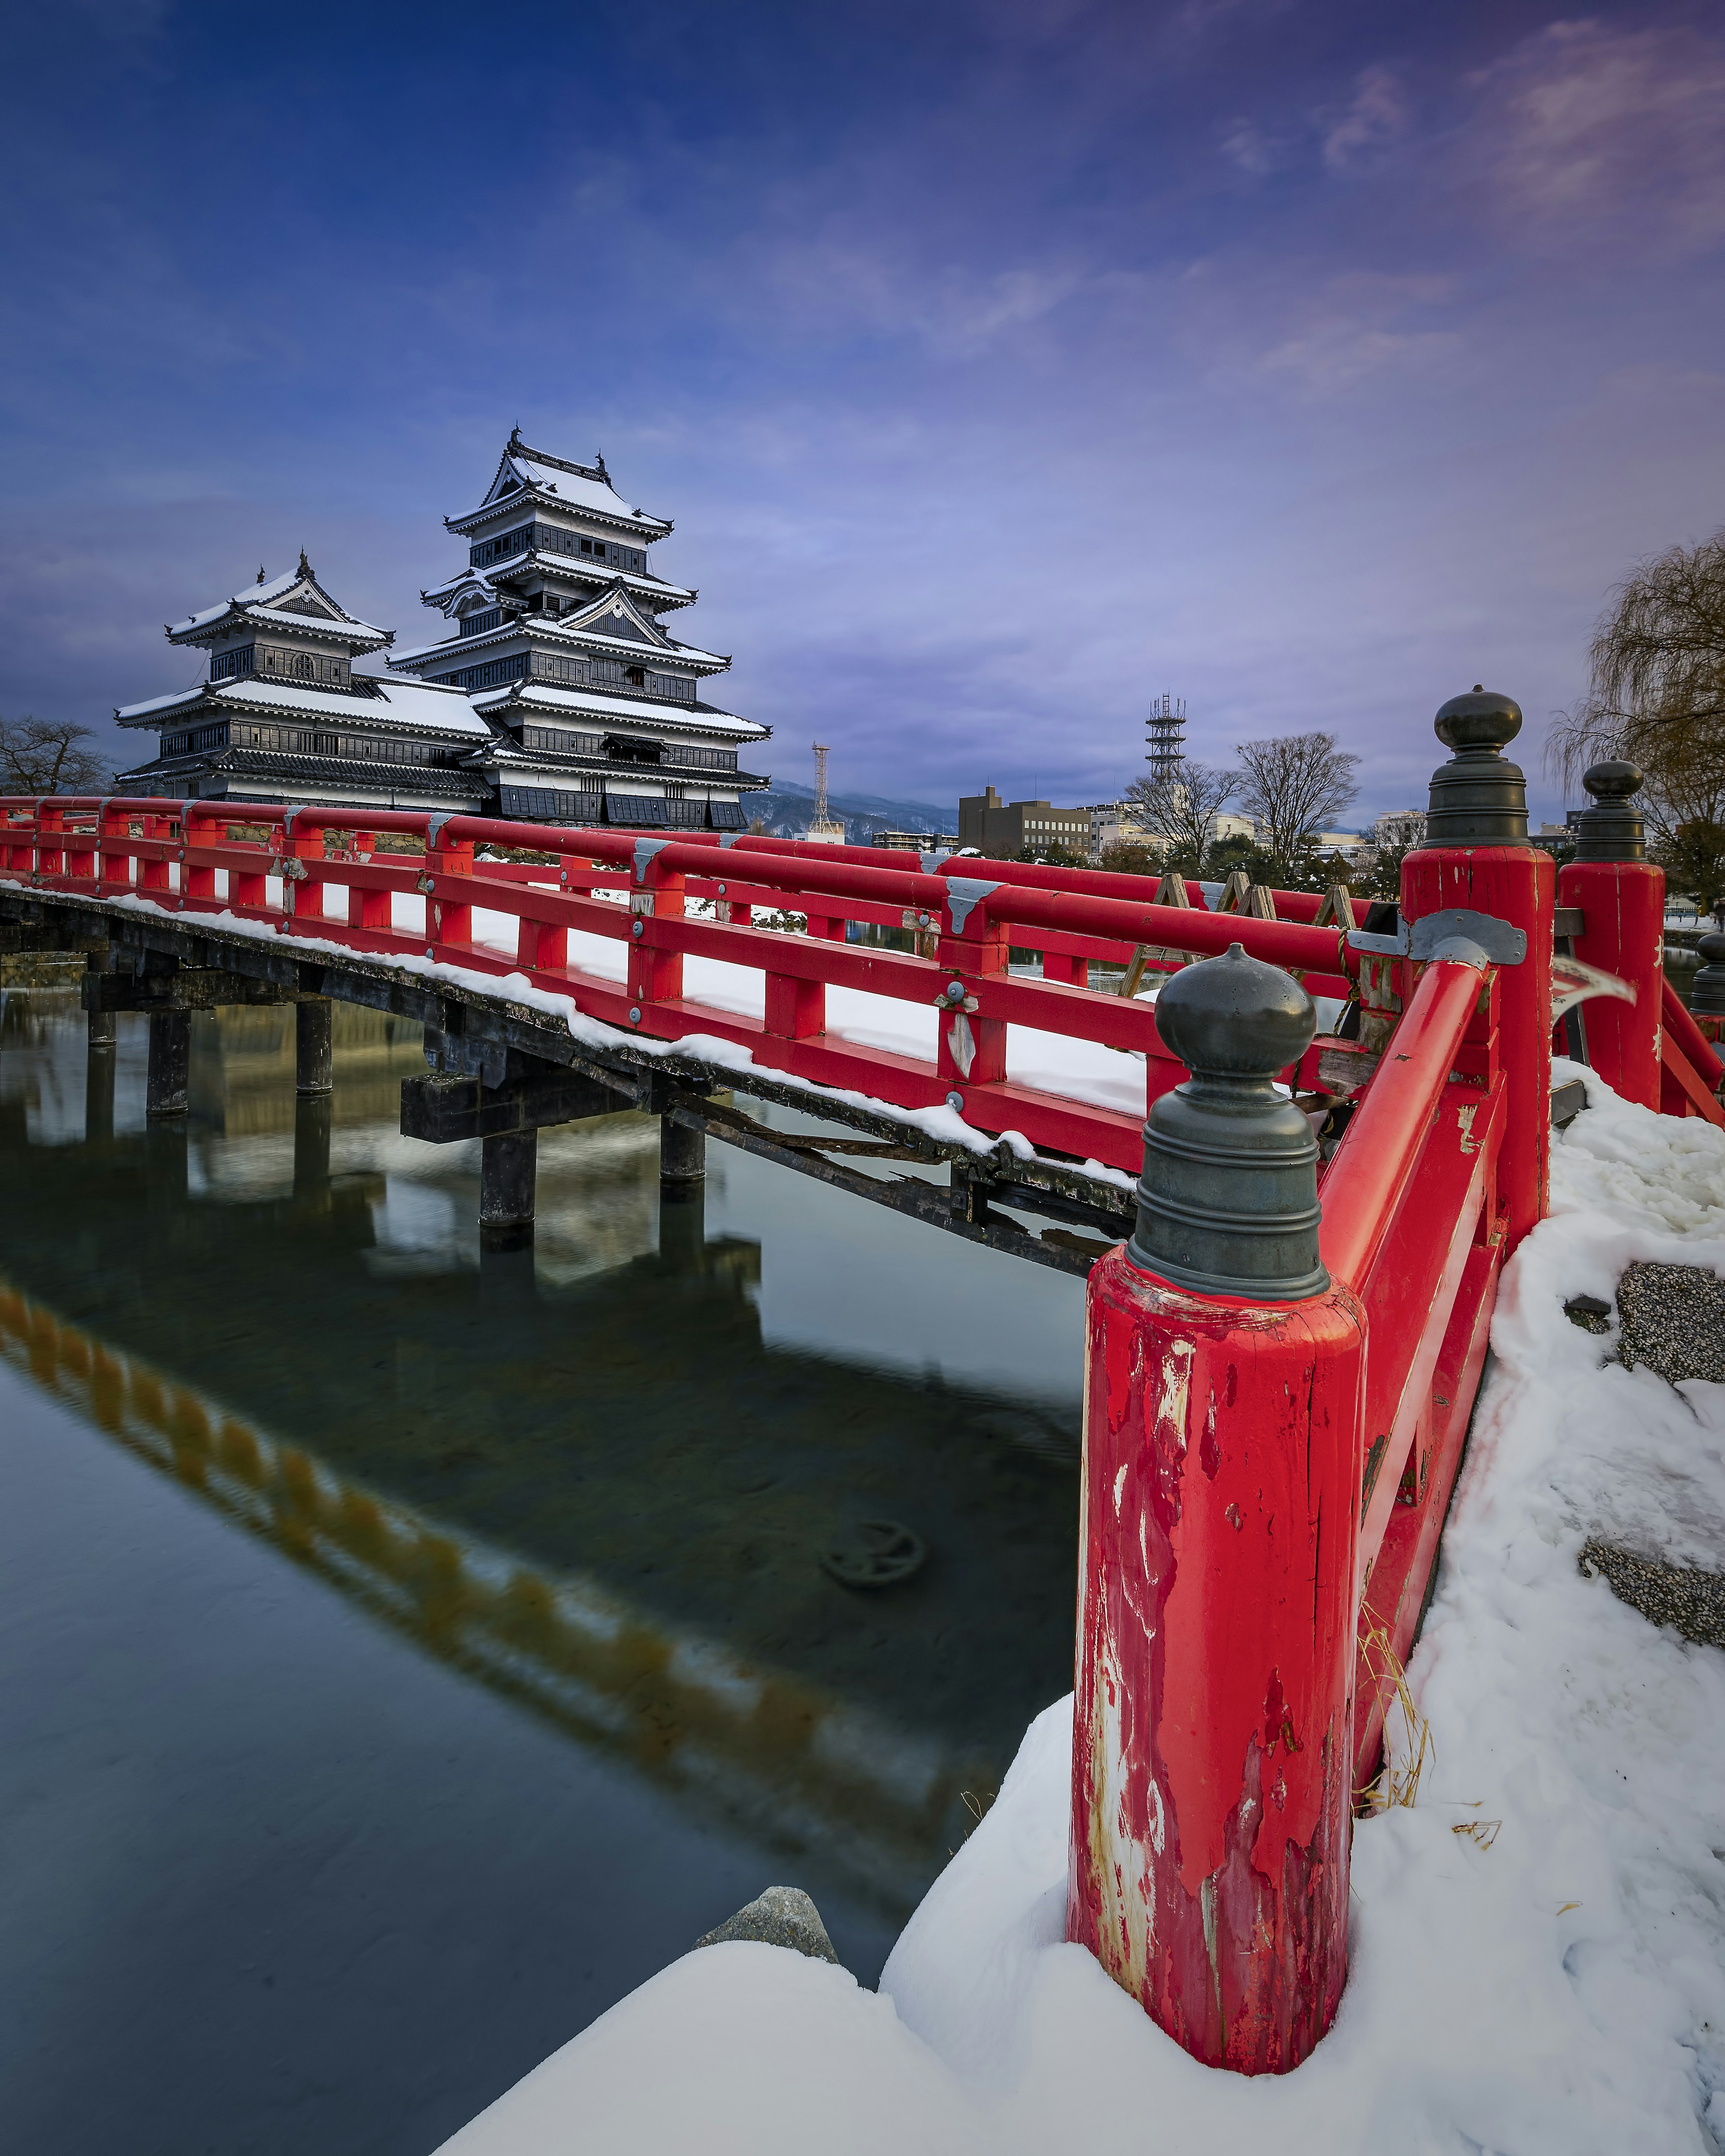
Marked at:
<point>150,961</point>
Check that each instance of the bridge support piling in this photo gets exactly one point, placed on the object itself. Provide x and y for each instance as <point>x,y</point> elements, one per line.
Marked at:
<point>682,1226</point>
<point>508,1169</point>
<point>166,1163</point>
<point>312,1120</point>
<point>682,1153</point>
<point>99,1092</point>
<point>314,1060</point>
<point>104,1029</point>
<point>170,1062</point>
<point>1212,1736</point>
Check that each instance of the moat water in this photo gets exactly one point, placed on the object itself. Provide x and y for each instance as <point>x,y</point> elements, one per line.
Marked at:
<point>404,1651</point>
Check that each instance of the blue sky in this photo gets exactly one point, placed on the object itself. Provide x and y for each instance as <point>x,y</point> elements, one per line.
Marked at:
<point>1001,365</point>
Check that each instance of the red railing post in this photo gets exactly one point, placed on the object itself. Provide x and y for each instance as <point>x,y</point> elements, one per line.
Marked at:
<point>20,838</point>
<point>1620,894</point>
<point>1212,1736</point>
<point>374,909</point>
<point>83,848</point>
<point>970,1047</point>
<point>1476,860</point>
<point>449,921</point>
<point>301,893</point>
<point>50,824</point>
<point>198,881</point>
<point>153,871</point>
<point>656,971</point>
<point>114,862</point>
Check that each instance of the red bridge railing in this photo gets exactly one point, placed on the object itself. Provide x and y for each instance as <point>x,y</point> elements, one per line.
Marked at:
<point>318,873</point>
<point>1282,1361</point>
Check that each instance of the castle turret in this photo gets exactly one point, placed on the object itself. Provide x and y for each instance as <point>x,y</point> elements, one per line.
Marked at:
<point>282,717</point>
<point>596,713</point>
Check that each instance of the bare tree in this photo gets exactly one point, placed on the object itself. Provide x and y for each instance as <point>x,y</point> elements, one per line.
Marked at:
<point>1292,785</point>
<point>1656,664</point>
<point>48,755</point>
<point>1179,805</point>
<point>1656,695</point>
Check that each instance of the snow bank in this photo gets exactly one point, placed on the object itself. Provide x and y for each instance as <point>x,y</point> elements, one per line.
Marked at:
<point>1549,1983</point>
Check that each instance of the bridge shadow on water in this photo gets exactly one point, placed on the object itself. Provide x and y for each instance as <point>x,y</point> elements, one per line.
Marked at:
<point>612,1474</point>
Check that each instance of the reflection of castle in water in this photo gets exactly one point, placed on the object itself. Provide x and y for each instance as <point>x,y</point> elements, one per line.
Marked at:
<point>582,1474</point>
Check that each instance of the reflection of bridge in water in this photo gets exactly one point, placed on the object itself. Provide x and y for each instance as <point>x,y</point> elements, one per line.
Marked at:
<point>580,1472</point>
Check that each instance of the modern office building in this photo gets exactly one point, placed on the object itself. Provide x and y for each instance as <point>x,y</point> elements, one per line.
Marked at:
<point>1005,828</point>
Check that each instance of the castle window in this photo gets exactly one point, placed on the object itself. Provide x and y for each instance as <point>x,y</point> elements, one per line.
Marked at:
<point>560,743</point>
<point>678,688</point>
<point>227,664</point>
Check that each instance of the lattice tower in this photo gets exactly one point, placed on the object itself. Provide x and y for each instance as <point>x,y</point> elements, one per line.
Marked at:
<point>1165,733</point>
<point>823,826</point>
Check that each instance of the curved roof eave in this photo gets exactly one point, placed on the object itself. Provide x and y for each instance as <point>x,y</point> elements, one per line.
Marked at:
<point>622,518</point>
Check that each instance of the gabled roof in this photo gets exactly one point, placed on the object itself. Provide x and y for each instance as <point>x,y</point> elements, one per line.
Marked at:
<point>615,613</point>
<point>524,472</point>
<point>294,604</point>
<point>468,584</point>
<point>386,701</point>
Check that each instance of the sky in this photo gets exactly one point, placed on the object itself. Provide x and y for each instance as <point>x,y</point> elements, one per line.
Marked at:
<point>1004,364</point>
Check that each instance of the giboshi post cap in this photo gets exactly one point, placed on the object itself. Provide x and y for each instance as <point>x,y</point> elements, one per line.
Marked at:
<point>1614,781</point>
<point>1228,1199</point>
<point>1235,1017</point>
<point>1485,719</point>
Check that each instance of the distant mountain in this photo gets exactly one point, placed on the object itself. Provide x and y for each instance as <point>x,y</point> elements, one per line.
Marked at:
<point>786,808</point>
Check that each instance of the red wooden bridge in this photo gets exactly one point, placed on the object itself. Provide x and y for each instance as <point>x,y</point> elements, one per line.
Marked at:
<point>562,973</point>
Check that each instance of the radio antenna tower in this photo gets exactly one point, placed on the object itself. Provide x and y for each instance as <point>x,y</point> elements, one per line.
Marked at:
<point>822,828</point>
<point>1165,732</point>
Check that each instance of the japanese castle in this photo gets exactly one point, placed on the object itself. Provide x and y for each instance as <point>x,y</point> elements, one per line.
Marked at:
<point>558,697</point>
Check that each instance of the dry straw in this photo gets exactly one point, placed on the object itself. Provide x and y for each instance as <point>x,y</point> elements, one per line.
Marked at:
<point>1404,1761</point>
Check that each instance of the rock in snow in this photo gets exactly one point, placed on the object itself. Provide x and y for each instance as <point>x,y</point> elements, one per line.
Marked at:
<point>1538,1948</point>
<point>781,1917</point>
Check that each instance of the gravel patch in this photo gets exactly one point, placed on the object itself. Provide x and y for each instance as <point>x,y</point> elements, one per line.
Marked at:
<point>1691,1602</point>
<point>1673,1321</point>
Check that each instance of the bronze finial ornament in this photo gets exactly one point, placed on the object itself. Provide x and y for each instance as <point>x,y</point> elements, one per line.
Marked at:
<point>1478,798</point>
<point>1612,829</point>
<point>1228,1200</point>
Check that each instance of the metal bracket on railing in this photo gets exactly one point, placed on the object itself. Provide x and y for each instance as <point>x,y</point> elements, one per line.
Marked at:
<point>434,824</point>
<point>965,892</point>
<point>931,862</point>
<point>645,850</point>
<point>729,838</point>
<point>1501,944</point>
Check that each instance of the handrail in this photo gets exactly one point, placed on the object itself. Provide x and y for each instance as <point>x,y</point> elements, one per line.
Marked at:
<point>1117,914</point>
<point>1680,1023</point>
<point>1366,1179</point>
<point>1296,907</point>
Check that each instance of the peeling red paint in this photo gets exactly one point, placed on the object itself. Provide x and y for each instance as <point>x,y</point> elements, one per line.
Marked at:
<point>1211,1755</point>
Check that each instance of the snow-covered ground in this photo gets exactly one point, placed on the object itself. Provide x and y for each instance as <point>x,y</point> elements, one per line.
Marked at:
<point>1538,1946</point>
